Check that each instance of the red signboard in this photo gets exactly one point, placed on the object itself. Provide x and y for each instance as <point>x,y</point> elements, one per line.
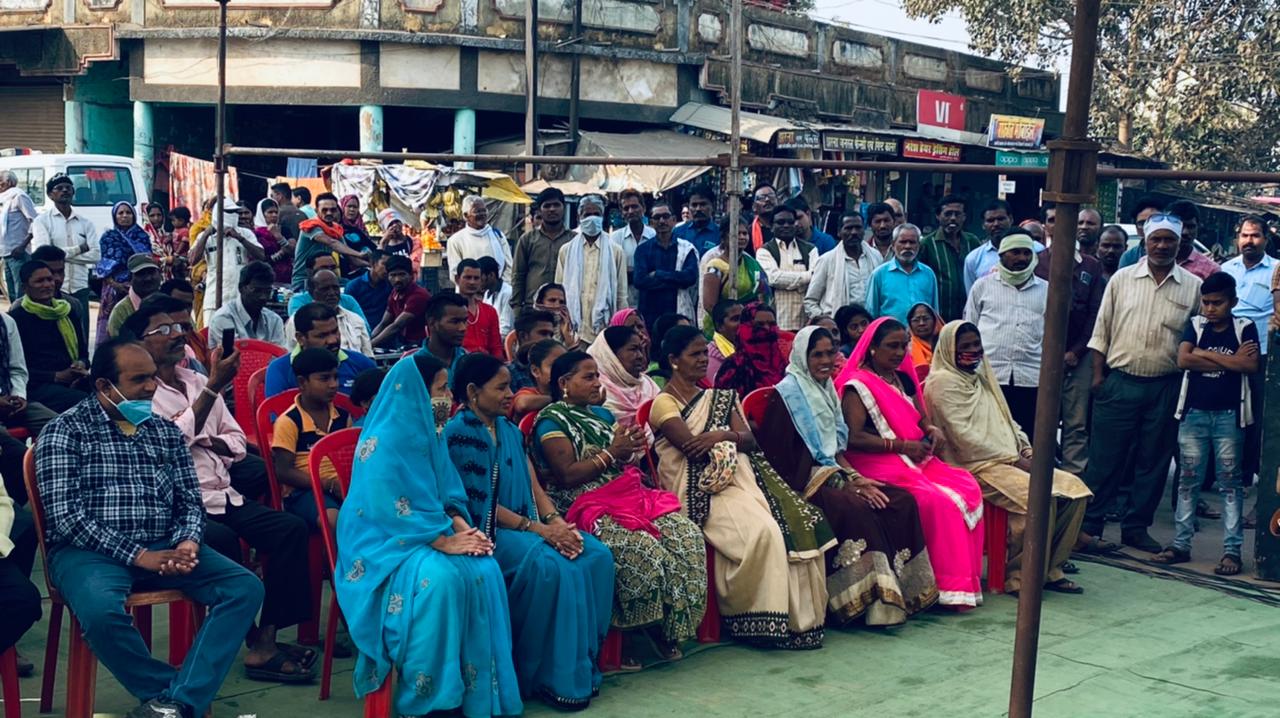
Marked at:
<point>930,150</point>
<point>940,109</point>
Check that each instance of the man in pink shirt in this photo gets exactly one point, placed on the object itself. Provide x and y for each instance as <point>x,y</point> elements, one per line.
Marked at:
<point>217,443</point>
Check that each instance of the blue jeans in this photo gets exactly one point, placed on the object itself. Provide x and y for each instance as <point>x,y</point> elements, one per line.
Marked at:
<point>95,586</point>
<point>1200,432</point>
<point>12,266</point>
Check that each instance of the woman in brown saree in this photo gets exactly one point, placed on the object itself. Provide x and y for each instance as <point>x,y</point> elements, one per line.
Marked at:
<point>881,571</point>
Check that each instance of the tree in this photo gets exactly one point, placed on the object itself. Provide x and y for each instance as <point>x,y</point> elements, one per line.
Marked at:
<point>1193,83</point>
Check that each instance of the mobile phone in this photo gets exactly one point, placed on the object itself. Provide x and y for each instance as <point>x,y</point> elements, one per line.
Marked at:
<point>228,340</point>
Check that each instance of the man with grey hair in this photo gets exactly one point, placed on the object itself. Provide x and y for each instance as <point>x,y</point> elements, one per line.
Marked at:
<point>16,213</point>
<point>902,281</point>
<point>478,239</point>
<point>593,270</point>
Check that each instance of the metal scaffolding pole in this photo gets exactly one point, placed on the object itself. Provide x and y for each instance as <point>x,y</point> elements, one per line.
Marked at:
<point>735,133</point>
<point>531,86</point>
<point>219,150</point>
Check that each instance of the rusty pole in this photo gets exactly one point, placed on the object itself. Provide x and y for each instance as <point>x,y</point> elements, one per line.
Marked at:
<point>735,135</point>
<point>575,79</point>
<point>531,86</point>
<point>219,156</point>
<point>1073,164</point>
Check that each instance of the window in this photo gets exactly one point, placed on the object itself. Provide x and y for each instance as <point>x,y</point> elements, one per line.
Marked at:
<point>31,181</point>
<point>102,186</point>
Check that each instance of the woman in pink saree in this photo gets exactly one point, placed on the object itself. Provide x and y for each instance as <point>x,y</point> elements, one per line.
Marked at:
<point>891,440</point>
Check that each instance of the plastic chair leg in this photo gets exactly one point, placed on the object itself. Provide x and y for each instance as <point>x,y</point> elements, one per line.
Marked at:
<point>611,651</point>
<point>378,703</point>
<point>142,622</point>
<point>330,635</point>
<point>9,680</point>
<point>82,675</point>
<point>709,629</point>
<point>181,633</point>
<point>51,657</point>
<point>997,538</point>
<point>309,632</point>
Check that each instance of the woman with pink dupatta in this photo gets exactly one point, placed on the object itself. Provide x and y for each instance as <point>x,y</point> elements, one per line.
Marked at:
<point>891,440</point>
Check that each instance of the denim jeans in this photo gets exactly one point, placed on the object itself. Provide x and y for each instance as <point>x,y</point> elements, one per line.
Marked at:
<point>1200,432</point>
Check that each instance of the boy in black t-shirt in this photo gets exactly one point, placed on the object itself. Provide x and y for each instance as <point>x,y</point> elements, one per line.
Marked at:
<point>1216,354</point>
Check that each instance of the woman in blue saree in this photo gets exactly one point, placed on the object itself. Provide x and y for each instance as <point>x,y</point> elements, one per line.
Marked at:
<point>417,583</point>
<point>559,580</point>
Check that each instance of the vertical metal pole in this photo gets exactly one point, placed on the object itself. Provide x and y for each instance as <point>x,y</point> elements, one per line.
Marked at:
<point>735,134</point>
<point>531,85</point>
<point>575,78</point>
<point>1073,168</point>
<point>220,138</point>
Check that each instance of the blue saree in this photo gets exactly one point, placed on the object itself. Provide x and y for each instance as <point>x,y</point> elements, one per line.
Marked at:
<point>560,608</point>
<point>439,620</point>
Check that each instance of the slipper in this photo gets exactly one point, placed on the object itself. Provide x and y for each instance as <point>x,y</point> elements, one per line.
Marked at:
<point>1171,556</point>
<point>302,655</point>
<point>273,671</point>
<point>26,668</point>
<point>1228,569</point>
<point>1068,567</point>
<point>1064,585</point>
<point>1097,547</point>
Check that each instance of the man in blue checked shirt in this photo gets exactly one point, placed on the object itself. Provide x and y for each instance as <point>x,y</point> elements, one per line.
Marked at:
<point>123,513</point>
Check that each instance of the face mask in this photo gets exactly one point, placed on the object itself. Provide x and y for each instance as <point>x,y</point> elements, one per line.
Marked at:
<point>440,407</point>
<point>969,361</point>
<point>1019,277</point>
<point>591,226</point>
<point>135,411</point>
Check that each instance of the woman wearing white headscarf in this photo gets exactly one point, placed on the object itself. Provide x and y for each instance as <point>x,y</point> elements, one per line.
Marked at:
<point>881,570</point>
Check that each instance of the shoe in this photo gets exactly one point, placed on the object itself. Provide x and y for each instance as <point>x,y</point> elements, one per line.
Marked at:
<point>160,708</point>
<point>1142,541</point>
<point>26,668</point>
<point>1203,511</point>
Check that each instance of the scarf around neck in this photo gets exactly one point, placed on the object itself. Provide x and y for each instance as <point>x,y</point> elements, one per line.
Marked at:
<point>625,394</point>
<point>333,230</point>
<point>606,285</point>
<point>495,239</point>
<point>59,311</point>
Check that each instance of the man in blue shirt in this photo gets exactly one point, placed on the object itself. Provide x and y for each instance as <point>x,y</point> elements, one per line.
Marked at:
<point>666,270</point>
<point>316,326</point>
<point>372,289</point>
<point>809,233</point>
<point>700,231</point>
<point>347,302</point>
<point>901,282</point>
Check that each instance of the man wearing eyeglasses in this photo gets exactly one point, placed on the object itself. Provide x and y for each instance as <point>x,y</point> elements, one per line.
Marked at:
<point>666,269</point>
<point>764,201</point>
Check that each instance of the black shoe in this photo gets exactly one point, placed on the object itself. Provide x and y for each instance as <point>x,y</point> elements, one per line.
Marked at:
<point>1142,541</point>
<point>160,708</point>
<point>1204,512</point>
<point>26,668</point>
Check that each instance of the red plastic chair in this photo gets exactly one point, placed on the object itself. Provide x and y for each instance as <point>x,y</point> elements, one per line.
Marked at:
<point>922,371</point>
<point>19,433</point>
<point>754,405</point>
<point>82,668</point>
<point>995,542</point>
<point>9,681</point>
<point>785,340</point>
<point>642,420</point>
<point>254,355</point>
<point>510,345</point>
<point>339,448</point>
<point>527,424</point>
<point>257,394</point>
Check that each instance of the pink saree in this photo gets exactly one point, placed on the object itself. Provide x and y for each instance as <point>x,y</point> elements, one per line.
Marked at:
<point>949,498</point>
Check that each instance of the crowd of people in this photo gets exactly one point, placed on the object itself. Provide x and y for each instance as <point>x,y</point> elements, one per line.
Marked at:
<point>596,431</point>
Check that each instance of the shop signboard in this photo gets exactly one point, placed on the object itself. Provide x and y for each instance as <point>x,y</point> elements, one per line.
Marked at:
<point>939,110</point>
<point>797,140</point>
<point>930,150</point>
<point>1022,159</point>
<point>859,143</point>
<point>1014,131</point>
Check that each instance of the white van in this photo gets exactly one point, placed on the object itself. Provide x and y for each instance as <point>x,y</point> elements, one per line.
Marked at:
<point>100,180</point>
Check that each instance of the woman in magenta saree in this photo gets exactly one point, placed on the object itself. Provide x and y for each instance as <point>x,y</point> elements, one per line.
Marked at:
<point>891,440</point>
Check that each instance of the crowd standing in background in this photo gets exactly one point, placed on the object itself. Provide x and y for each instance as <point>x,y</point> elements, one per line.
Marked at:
<point>595,430</point>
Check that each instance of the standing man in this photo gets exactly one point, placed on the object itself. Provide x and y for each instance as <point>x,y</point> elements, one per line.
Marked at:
<point>1111,247</point>
<point>123,511</point>
<point>62,227</point>
<point>478,238</point>
<point>630,235</point>
<point>997,217</point>
<point>764,201</point>
<point>666,270</point>
<point>290,216</point>
<point>700,231</point>
<point>1135,382</point>
<point>1008,307</point>
<point>1253,270</point>
<point>805,230</point>
<point>496,293</point>
<point>1146,207</point>
<point>321,235</point>
<point>1088,230</point>
<point>841,276</point>
<point>538,251</point>
<point>145,281</point>
<point>405,322</point>
<point>944,252</point>
<point>247,314</point>
<point>899,213</point>
<point>902,281</point>
<point>482,334</point>
<point>16,214</point>
<point>787,262</point>
<point>302,201</point>
<point>593,272</point>
<point>883,222</point>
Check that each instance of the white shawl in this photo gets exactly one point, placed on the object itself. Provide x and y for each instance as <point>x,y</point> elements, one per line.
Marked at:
<point>606,287</point>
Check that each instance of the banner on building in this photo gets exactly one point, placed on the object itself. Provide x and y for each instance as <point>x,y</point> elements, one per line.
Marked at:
<point>797,140</point>
<point>859,143</point>
<point>939,110</point>
<point>930,150</point>
<point>1014,131</point>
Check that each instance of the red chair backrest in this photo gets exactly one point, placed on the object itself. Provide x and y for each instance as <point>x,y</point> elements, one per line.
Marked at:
<point>264,422</point>
<point>344,402</point>
<point>527,423</point>
<point>642,414</point>
<point>254,355</point>
<point>510,345</point>
<point>257,394</point>
<point>755,403</point>
<point>785,340</point>
<point>339,449</point>
<point>922,371</point>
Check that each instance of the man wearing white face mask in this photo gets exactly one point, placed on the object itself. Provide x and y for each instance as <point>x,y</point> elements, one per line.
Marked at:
<point>593,270</point>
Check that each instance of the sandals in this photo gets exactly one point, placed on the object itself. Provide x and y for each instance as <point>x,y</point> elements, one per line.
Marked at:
<point>273,671</point>
<point>1229,565</point>
<point>1171,556</point>
<point>1064,585</point>
<point>1095,546</point>
<point>303,656</point>
<point>1070,568</point>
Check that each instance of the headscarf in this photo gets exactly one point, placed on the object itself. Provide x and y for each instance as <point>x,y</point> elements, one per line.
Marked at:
<point>854,369</point>
<point>260,216</point>
<point>1017,241</point>
<point>619,318</point>
<point>387,216</point>
<point>355,226</point>
<point>402,482</point>
<point>813,405</point>
<point>118,244</point>
<point>921,351</point>
<point>758,362</point>
<point>624,394</point>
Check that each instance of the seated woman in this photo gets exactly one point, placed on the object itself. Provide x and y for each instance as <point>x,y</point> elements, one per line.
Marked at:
<point>964,398</point>
<point>551,297</point>
<point>758,361</point>
<point>559,581</point>
<point>659,370</point>
<point>533,399</point>
<point>57,351</point>
<point>620,354</point>
<point>892,441</point>
<point>881,571</point>
<point>659,557</point>
<point>829,324</point>
<point>417,583</point>
<point>769,542</point>
<point>629,317</point>
<point>851,321</point>
<point>925,326</point>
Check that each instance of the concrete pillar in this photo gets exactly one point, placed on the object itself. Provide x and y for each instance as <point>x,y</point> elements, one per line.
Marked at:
<point>464,135</point>
<point>144,145</point>
<point>73,126</point>
<point>370,128</point>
